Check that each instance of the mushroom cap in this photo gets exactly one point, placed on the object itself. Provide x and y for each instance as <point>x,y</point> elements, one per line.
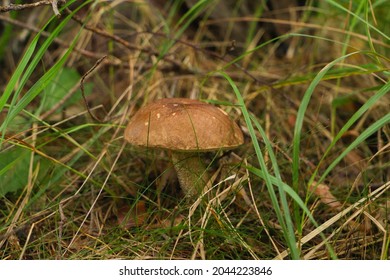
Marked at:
<point>183,124</point>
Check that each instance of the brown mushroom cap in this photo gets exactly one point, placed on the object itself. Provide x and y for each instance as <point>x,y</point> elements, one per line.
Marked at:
<point>183,124</point>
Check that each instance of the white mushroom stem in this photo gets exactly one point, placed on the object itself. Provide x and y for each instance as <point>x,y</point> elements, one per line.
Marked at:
<point>191,172</point>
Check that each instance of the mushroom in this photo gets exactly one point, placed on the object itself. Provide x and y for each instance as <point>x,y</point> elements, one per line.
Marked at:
<point>185,127</point>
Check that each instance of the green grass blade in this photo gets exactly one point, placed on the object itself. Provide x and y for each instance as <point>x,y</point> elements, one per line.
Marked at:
<point>295,254</point>
<point>282,194</point>
<point>42,82</point>
<point>357,115</point>
<point>182,25</point>
<point>299,123</point>
<point>360,139</point>
<point>358,18</point>
<point>17,73</point>
<point>286,188</point>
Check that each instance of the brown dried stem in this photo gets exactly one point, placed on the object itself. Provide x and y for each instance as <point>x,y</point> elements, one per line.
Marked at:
<point>20,7</point>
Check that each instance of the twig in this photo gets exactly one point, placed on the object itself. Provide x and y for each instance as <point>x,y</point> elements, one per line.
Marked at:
<point>60,228</point>
<point>105,34</point>
<point>54,5</point>
<point>207,52</point>
<point>126,44</point>
<point>82,88</point>
<point>20,7</point>
<point>47,34</point>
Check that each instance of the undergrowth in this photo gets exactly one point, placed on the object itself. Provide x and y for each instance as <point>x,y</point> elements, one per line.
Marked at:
<point>308,85</point>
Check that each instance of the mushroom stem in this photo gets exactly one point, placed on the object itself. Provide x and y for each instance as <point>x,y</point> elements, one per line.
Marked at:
<point>191,172</point>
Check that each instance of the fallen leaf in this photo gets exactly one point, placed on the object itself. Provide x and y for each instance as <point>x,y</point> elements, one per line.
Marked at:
<point>130,216</point>
<point>325,196</point>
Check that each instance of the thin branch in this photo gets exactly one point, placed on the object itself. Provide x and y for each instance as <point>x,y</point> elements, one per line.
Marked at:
<point>82,88</point>
<point>126,44</point>
<point>56,40</point>
<point>20,7</point>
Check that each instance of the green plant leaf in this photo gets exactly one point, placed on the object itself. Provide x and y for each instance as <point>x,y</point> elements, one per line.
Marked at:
<point>60,86</point>
<point>14,168</point>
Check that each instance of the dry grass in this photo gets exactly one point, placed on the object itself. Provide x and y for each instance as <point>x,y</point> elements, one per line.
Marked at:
<point>74,176</point>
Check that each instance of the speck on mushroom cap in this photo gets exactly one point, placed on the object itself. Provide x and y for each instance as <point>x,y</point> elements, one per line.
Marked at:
<point>183,124</point>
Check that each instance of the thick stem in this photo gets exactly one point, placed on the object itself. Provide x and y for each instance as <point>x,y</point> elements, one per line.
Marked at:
<point>191,172</point>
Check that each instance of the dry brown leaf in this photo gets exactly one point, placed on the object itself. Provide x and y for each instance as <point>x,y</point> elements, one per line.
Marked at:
<point>291,119</point>
<point>167,223</point>
<point>132,216</point>
<point>355,159</point>
<point>325,196</point>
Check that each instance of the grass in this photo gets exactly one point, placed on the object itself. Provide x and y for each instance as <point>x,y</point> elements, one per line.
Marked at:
<point>310,182</point>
